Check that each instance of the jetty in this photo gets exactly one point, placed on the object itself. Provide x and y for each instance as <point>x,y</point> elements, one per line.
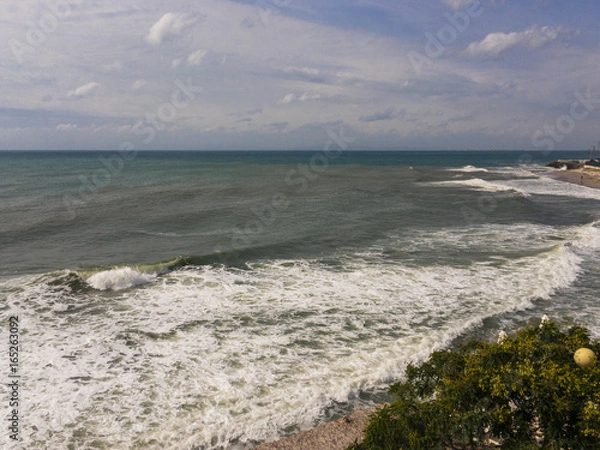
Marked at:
<point>590,163</point>
<point>566,164</point>
<point>584,172</point>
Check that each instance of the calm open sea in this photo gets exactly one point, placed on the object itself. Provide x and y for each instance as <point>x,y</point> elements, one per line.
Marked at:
<point>218,300</point>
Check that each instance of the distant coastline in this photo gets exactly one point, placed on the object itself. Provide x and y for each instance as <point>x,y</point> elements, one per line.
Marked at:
<point>586,173</point>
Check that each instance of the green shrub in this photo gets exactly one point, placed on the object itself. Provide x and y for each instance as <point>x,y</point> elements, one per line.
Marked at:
<point>524,392</point>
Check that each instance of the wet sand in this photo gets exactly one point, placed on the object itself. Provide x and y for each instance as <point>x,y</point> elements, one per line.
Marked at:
<point>336,435</point>
<point>587,176</point>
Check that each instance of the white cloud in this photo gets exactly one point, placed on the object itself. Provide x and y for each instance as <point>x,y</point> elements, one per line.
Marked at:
<point>495,43</point>
<point>84,90</point>
<point>114,66</point>
<point>306,96</point>
<point>138,84</point>
<point>66,127</point>
<point>171,24</point>
<point>351,73</point>
<point>457,4</point>
<point>303,70</point>
<point>290,98</point>
<point>195,59</point>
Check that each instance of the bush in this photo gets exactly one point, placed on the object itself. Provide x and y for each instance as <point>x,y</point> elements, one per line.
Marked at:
<point>524,392</point>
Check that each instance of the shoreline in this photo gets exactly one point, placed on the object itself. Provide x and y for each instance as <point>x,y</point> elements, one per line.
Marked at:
<point>339,434</point>
<point>334,435</point>
<point>586,176</point>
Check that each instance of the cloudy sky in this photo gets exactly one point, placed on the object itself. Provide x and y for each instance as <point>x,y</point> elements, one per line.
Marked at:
<point>282,74</point>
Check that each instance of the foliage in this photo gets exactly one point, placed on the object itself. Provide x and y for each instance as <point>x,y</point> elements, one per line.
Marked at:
<point>523,392</point>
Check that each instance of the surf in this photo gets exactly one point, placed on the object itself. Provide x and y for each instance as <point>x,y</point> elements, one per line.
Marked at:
<point>235,344</point>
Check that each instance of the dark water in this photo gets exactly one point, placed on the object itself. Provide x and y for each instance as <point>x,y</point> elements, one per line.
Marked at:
<point>217,300</point>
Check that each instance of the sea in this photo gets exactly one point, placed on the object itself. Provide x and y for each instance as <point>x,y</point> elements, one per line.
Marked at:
<point>218,300</point>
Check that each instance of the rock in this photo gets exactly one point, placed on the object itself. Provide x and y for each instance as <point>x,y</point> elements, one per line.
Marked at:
<point>570,165</point>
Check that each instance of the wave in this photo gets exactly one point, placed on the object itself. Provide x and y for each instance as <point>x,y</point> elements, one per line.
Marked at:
<point>172,234</point>
<point>587,237</point>
<point>545,185</point>
<point>524,186</point>
<point>116,278</point>
<point>468,169</point>
<point>481,185</point>
<point>527,235</point>
<point>119,279</point>
<point>295,336</point>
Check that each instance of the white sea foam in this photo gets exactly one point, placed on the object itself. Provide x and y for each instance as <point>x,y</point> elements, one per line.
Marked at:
<point>549,186</point>
<point>525,185</point>
<point>491,239</point>
<point>118,279</point>
<point>171,234</point>
<point>468,169</point>
<point>479,184</point>
<point>227,357</point>
<point>588,237</point>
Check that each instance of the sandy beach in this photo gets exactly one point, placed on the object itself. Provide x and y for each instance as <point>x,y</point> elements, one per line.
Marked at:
<point>586,176</point>
<point>336,435</point>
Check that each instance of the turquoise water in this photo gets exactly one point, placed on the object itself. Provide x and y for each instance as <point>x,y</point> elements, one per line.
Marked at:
<point>218,300</point>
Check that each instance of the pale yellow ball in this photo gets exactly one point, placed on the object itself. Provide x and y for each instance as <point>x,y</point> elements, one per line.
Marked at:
<point>584,357</point>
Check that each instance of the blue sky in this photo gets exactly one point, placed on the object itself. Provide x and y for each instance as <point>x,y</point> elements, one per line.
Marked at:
<point>284,74</point>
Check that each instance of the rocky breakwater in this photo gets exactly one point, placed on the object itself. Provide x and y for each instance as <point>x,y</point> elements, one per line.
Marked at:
<point>566,164</point>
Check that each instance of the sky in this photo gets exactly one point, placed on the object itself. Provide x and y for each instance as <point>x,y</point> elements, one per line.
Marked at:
<point>290,74</point>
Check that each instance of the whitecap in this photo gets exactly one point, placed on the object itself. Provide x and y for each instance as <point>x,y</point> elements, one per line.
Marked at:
<point>291,336</point>
<point>479,184</point>
<point>468,169</point>
<point>119,279</point>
